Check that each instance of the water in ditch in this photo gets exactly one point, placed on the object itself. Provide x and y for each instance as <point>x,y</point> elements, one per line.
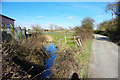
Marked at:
<point>51,49</point>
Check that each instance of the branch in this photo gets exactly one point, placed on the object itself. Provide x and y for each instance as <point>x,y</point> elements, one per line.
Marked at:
<point>115,12</point>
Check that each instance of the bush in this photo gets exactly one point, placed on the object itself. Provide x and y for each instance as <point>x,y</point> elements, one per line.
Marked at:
<point>112,30</point>
<point>85,31</point>
<point>70,60</point>
<point>24,58</point>
<point>99,32</point>
<point>65,62</point>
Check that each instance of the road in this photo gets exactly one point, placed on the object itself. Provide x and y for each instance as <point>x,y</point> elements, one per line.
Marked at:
<point>103,58</point>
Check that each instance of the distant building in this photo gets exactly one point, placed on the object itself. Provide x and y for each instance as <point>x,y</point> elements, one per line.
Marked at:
<point>6,21</point>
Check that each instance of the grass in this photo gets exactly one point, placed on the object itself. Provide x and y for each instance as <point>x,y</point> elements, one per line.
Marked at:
<point>84,59</point>
<point>60,35</point>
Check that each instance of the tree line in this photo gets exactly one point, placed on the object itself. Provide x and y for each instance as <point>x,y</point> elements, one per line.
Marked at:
<point>111,28</point>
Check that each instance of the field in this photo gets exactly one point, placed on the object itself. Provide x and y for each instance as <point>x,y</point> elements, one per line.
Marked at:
<point>60,35</point>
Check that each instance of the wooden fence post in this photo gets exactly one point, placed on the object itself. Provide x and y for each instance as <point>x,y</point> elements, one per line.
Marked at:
<point>79,42</point>
<point>12,31</point>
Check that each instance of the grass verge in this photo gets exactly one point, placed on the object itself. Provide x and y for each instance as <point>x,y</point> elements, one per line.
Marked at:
<point>84,59</point>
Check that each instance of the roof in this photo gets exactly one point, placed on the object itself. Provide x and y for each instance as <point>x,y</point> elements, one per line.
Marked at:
<point>7,17</point>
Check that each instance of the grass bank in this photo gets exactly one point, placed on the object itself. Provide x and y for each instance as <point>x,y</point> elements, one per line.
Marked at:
<point>84,59</point>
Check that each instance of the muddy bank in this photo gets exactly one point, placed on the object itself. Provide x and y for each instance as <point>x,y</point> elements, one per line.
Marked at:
<point>48,38</point>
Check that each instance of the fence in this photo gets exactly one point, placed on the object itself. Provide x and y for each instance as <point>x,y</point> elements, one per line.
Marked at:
<point>16,33</point>
<point>72,39</point>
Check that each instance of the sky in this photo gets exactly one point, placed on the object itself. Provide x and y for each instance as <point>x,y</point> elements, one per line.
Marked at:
<point>64,14</point>
<point>59,0</point>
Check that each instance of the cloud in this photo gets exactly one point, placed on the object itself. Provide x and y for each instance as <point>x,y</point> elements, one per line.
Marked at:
<point>70,17</point>
<point>23,24</point>
<point>29,24</point>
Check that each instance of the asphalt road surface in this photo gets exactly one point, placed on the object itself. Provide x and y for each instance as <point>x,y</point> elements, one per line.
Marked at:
<point>103,59</point>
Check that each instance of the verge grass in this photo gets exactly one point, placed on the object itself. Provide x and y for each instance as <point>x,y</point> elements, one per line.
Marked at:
<point>84,59</point>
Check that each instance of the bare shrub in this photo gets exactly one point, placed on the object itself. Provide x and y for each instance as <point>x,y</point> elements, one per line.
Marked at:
<point>23,59</point>
<point>65,63</point>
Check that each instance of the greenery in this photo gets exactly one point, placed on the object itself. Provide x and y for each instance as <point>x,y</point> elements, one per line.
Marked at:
<point>98,32</point>
<point>85,31</point>
<point>111,28</point>
<point>24,59</point>
<point>60,35</point>
<point>87,23</point>
<point>84,58</point>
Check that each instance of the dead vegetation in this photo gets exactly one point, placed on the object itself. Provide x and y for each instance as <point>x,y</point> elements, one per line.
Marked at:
<point>65,63</point>
<point>23,59</point>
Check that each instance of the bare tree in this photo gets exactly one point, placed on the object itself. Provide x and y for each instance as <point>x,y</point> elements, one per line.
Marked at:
<point>114,7</point>
<point>56,27</point>
<point>51,26</point>
<point>60,27</point>
<point>37,28</point>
